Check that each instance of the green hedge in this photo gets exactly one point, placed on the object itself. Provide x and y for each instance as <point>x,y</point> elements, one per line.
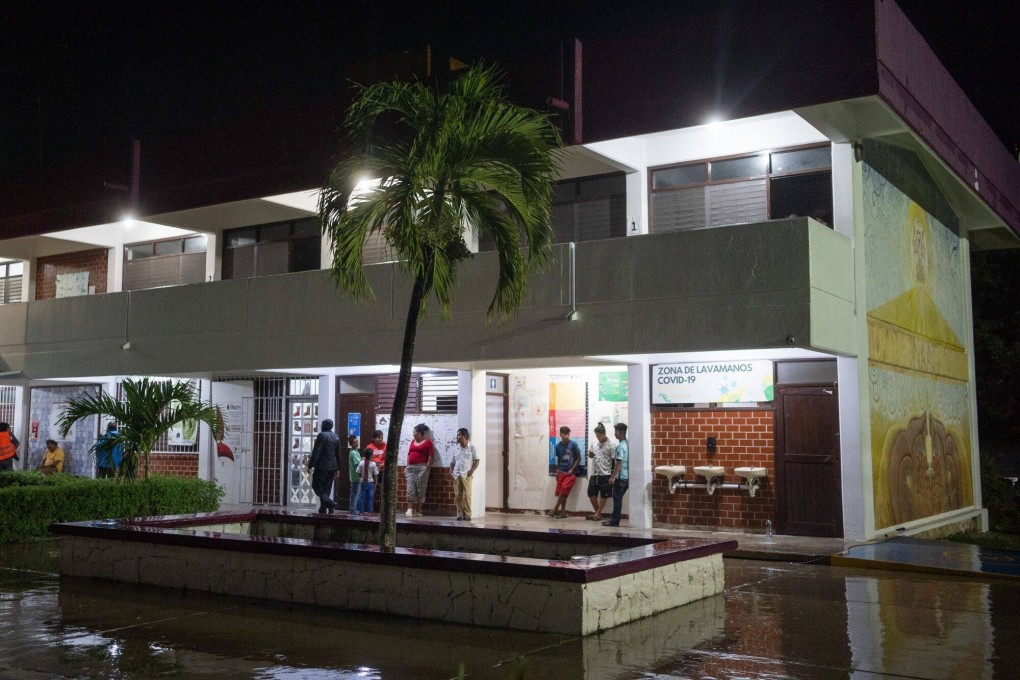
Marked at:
<point>30,502</point>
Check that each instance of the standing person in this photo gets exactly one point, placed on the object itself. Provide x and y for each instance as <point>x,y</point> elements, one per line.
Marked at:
<point>378,449</point>
<point>419,460</point>
<point>621,474</point>
<point>8,447</point>
<point>353,460</point>
<point>568,456</point>
<point>324,464</point>
<point>53,459</point>
<point>108,453</point>
<point>602,451</point>
<point>367,473</point>
<point>465,462</point>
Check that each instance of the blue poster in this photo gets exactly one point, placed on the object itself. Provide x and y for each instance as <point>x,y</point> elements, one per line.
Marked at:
<point>354,424</point>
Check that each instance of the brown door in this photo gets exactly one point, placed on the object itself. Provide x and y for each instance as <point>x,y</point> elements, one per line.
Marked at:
<point>362,406</point>
<point>809,497</point>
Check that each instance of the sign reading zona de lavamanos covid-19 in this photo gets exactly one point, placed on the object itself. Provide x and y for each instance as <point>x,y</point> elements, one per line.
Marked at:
<point>712,382</point>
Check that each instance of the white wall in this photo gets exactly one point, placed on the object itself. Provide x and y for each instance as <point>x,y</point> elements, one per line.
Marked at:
<point>531,485</point>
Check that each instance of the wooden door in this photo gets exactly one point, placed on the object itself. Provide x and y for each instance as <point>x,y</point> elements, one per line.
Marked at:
<point>363,406</point>
<point>809,492</point>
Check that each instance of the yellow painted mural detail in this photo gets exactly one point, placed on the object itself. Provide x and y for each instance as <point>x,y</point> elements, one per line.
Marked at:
<point>918,366</point>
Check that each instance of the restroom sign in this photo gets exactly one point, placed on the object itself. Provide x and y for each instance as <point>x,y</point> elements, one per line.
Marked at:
<point>721,382</point>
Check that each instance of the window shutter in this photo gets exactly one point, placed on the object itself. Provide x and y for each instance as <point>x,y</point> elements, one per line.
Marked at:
<point>737,202</point>
<point>377,250</point>
<point>680,209</point>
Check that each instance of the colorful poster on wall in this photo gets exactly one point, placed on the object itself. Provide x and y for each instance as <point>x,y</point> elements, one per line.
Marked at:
<point>613,386</point>
<point>720,382</point>
<point>568,406</point>
<point>917,360</point>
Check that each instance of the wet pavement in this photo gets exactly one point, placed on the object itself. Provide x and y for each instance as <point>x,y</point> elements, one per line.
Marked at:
<point>937,557</point>
<point>775,620</point>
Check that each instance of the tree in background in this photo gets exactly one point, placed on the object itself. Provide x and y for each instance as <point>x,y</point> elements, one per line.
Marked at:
<point>150,408</point>
<point>445,160</point>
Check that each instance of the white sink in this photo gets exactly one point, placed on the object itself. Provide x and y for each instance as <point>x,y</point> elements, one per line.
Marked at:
<point>670,471</point>
<point>709,471</point>
<point>749,472</point>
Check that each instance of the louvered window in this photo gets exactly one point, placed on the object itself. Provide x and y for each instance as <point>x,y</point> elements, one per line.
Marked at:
<point>427,392</point>
<point>585,209</point>
<point>168,262</point>
<point>10,281</point>
<point>267,249</point>
<point>752,188</point>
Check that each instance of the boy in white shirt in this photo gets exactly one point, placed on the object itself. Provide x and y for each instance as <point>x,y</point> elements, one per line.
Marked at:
<point>465,461</point>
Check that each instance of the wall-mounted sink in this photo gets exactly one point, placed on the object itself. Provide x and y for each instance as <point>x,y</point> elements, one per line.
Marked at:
<point>749,472</point>
<point>709,471</point>
<point>671,471</point>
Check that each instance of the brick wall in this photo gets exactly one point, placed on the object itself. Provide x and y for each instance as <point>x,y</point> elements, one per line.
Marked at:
<point>93,261</point>
<point>173,464</point>
<point>439,495</point>
<point>743,438</point>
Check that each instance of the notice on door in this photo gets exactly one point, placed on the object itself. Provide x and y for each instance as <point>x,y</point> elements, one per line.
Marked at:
<point>723,382</point>
<point>354,424</point>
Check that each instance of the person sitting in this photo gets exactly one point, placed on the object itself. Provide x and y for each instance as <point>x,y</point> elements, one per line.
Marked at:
<point>53,459</point>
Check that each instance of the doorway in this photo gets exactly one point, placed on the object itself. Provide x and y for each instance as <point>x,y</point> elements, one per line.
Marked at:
<point>809,491</point>
<point>497,444</point>
<point>355,414</point>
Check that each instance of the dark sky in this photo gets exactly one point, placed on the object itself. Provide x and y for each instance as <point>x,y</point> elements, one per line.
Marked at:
<point>75,75</point>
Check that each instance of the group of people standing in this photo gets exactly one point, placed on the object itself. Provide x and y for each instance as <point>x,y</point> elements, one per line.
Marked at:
<point>367,468</point>
<point>608,472</point>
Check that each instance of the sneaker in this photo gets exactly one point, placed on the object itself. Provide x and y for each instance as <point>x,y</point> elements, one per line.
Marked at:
<point>409,513</point>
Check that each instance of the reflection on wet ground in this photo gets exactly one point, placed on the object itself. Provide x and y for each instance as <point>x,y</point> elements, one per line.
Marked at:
<point>775,620</point>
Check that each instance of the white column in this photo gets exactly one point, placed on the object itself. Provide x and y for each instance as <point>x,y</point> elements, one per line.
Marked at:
<point>327,407</point>
<point>476,418</point>
<point>205,443</point>
<point>21,427</point>
<point>114,269</point>
<point>639,435</point>
<point>857,495</point>
<point>213,260</point>
<point>28,279</point>
<point>637,200</point>
<point>843,189</point>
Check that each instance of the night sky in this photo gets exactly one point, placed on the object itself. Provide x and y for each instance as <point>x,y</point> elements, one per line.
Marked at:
<point>77,75</point>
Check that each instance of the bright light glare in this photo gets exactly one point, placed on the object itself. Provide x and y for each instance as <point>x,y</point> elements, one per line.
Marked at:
<point>714,121</point>
<point>367,183</point>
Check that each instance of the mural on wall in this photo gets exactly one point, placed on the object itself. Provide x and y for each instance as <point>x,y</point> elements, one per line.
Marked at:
<point>568,406</point>
<point>917,360</point>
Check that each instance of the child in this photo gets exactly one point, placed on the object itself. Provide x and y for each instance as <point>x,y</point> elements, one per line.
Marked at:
<point>367,472</point>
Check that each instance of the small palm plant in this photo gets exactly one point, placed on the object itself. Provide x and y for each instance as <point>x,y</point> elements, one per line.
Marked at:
<point>150,408</point>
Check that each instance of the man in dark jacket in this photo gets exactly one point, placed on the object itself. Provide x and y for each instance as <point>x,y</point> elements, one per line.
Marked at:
<point>324,463</point>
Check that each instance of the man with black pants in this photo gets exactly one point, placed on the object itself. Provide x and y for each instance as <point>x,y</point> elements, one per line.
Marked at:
<point>620,477</point>
<point>324,463</point>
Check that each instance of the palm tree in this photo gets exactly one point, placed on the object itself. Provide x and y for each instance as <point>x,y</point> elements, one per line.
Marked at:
<point>150,408</point>
<point>449,159</point>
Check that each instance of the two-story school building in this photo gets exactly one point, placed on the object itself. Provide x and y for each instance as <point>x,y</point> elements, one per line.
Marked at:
<point>761,263</point>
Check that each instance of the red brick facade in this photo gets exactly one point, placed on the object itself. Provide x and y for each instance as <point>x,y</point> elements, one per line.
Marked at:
<point>439,495</point>
<point>174,464</point>
<point>743,438</point>
<point>93,261</point>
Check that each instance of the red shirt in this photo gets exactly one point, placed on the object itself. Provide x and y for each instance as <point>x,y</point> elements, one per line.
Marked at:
<point>420,454</point>
<point>378,455</point>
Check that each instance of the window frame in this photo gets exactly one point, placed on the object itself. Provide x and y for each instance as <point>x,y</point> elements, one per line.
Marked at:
<point>707,162</point>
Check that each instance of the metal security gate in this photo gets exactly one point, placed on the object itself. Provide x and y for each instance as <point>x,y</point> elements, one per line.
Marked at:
<point>276,418</point>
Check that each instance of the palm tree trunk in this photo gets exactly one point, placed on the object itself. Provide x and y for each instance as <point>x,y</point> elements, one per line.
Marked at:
<point>388,511</point>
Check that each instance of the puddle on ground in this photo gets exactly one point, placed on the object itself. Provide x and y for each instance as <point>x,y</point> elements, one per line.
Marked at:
<point>774,621</point>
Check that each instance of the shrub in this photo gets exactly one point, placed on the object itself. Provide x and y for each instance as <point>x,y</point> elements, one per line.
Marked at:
<point>30,502</point>
<point>998,497</point>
